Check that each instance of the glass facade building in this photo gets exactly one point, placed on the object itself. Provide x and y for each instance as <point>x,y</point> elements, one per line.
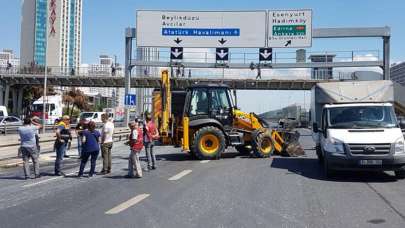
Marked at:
<point>40,32</point>
<point>71,33</point>
<point>59,44</point>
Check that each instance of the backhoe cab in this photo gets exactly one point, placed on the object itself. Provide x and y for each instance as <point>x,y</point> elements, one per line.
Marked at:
<point>204,121</point>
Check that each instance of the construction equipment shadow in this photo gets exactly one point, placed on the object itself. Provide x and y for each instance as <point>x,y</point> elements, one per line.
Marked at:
<point>311,168</point>
<point>189,157</point>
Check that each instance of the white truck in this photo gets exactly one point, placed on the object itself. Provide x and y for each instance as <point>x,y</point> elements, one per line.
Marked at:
<point>355,126</point>
<point>53,111</point>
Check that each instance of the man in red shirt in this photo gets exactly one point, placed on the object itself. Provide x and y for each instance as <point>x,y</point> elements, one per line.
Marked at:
<point>150,135</point>
<point>135,143</point>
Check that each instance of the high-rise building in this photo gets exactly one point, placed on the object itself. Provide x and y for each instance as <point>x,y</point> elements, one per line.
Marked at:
<point>51,31</point>
<point>7,58</point>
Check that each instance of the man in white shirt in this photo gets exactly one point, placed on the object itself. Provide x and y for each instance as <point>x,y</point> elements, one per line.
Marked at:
<point>106,143</point>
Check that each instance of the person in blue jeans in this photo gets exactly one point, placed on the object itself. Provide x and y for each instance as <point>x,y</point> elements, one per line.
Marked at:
<point>90,148</point>
<point>80,127</point>
<point>62,138</point>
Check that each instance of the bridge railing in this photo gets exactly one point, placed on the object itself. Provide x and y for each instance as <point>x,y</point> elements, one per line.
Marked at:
<point>62,71</point>
<point>237,56</point>
<point>179,72</point>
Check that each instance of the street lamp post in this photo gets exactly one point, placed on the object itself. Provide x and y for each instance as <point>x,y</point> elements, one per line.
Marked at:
<point>44,109</point>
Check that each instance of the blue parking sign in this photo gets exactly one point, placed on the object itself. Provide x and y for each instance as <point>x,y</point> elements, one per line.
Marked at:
<point>130,99</point>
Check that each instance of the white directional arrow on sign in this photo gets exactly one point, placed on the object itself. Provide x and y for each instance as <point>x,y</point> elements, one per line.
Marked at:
<point>265,54</point>
<point>176,53</point>
<point>222,54</point>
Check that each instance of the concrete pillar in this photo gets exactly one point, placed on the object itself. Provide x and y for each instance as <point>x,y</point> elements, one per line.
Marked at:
<point>6,95</point>
<point>129,36</point>
<point>1,95</point>
<point>14,97</point>
<point>20,101</point>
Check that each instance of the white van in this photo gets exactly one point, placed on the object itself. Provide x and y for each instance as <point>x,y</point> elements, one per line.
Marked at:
<point>91,116</point>
<point>355,127</point>
<point>54,108</point>
<point>3,111</point>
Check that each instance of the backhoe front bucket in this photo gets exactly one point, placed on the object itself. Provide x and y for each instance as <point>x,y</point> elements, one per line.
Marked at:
<point>290,142</point>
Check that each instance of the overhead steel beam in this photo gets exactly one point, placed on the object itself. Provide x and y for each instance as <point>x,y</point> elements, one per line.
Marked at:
<point>155,82</point>
<point>351,32</point>
<point>272,65</point>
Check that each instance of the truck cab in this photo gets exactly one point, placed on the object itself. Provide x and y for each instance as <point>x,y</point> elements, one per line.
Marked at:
<point>355,126</point>
<point>364,136</point>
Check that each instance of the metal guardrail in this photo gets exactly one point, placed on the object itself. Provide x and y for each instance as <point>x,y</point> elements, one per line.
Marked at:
<point>13,128</point>
<point>120,133</point>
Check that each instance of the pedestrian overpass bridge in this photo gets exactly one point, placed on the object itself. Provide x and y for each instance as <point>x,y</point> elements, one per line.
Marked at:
<point>17,80</point>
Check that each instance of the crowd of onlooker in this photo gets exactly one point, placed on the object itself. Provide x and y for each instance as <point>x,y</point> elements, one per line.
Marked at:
<point>90,141</point>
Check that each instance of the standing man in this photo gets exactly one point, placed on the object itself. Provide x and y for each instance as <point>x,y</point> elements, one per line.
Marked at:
<point>35,121</point>
<point>62,138</point>
<point>80,127</point>
<point>135,142</point>
<point>150,135</point>
<point>28,147</point>
<point>106,143</point>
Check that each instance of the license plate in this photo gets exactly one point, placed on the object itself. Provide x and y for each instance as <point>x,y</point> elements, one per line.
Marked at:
<point>370,162</point>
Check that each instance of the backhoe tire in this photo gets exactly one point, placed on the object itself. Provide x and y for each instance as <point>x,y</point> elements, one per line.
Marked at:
<point>243,150</point>
<point>209,143</point>
<point>262,144</point>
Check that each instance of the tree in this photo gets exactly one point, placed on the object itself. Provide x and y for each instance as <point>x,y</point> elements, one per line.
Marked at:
<point>75,98</point>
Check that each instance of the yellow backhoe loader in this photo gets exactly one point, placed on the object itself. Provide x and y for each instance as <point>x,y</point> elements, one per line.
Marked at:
<point>204,121</point>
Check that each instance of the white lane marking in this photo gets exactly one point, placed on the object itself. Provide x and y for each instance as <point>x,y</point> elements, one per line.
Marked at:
<point>127,204</point>
<point>41,182</point>
<point>47,180</point>
<point>180,175</point>
<point>204,161</point>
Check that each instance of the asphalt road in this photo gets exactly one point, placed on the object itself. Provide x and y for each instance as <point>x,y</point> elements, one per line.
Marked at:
<point>232,192</point>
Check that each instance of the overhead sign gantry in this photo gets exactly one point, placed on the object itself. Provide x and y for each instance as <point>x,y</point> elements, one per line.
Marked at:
<point>203,29</point>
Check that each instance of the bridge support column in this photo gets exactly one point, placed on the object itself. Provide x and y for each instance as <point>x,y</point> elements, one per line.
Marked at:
<point>6,95</point>
<point>20,101</point>
<point>14,97</point>
<point>1,95</point>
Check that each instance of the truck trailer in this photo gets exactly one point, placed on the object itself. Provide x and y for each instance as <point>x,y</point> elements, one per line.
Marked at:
<point>355,126</point>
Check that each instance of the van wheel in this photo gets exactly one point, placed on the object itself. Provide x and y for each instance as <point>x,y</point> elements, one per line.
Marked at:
<point>319,153</point>
<point>329,173</point>
<point>400,174</point>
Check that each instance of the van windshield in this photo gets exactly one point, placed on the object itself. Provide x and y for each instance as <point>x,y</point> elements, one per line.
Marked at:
<point>87,115</point>
<point>40,107</point>
<point>362,117</point>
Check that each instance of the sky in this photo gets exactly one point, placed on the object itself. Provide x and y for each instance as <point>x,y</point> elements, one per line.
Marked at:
<point>104,22</point>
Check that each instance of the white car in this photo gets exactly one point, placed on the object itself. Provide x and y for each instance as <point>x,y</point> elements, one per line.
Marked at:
<point>9,121</point>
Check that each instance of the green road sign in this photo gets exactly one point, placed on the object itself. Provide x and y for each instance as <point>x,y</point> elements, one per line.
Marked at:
<point>289,30</point>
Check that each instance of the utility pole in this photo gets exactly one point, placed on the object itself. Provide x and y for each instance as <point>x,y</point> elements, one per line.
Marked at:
<point>44,99</point>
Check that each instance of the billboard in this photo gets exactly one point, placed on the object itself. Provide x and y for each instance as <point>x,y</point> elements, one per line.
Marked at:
<point>201,29</point>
